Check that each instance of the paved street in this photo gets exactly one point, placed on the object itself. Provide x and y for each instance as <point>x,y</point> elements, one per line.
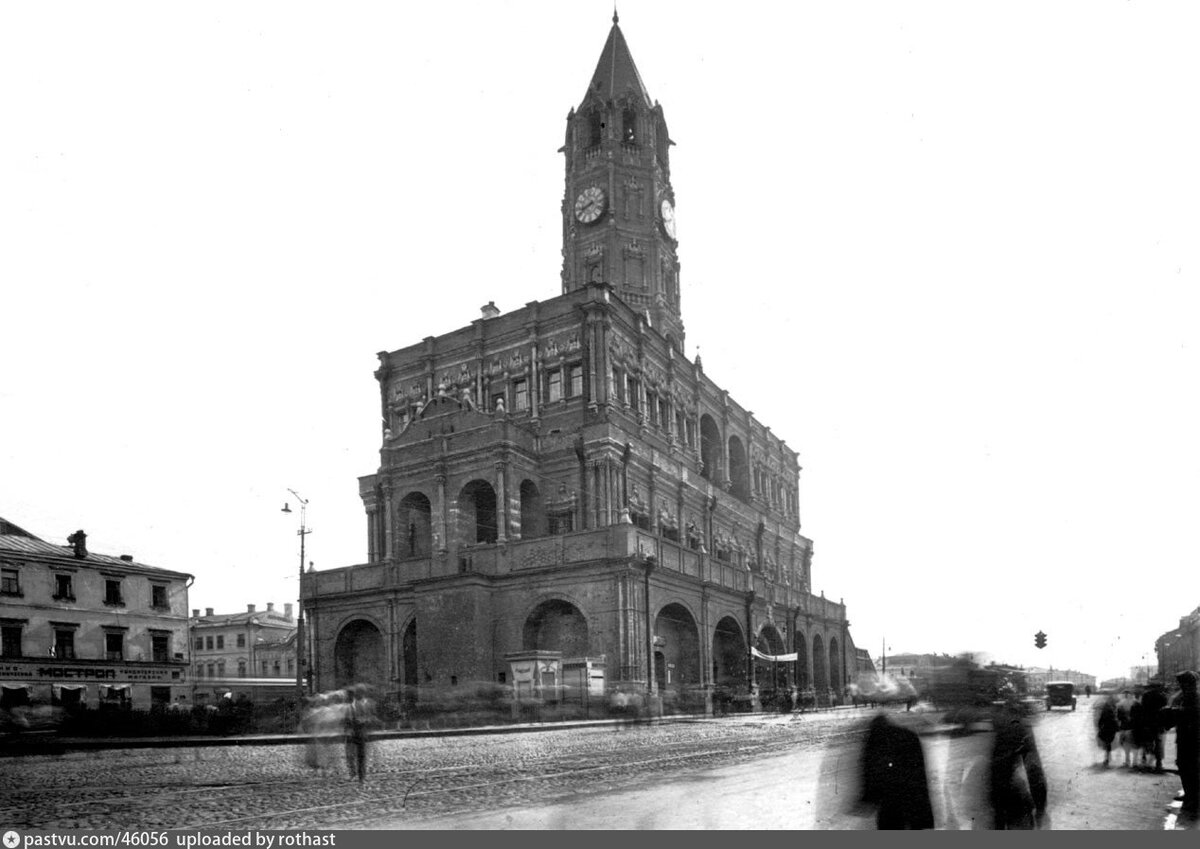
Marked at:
<point>771,772</point>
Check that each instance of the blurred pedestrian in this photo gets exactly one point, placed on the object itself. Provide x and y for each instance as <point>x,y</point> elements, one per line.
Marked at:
<point>360,718</point>
<point>1125,711</point>
<point>1154,701</point>
<point>1017,790</point>
<point>893,776</point>
<point>1107,725</point>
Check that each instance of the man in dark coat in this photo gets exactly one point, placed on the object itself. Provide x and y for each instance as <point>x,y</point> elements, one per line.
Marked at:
<point>1017,790</point>
<point>1153,702</point>
<point>1106,725</point>
<point>893,774</point>
<point>1186,716</point>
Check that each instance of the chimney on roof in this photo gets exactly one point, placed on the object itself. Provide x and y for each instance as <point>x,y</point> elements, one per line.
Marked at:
<point>208,611</point>
<point>270,607</point>
<point>195,613</point>
<point>128,558</point>
<point>490,310</point>
<point>287,611</point>
<point>79,540</point>
<point>249,608</point>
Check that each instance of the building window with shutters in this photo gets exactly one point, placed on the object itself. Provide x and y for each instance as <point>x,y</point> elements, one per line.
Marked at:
<point>63,588</point>
<point>10,582</point>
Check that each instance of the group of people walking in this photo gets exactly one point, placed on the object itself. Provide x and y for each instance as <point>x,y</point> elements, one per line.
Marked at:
<point>895,786</point>
<point>1135,724</point>
<point>341,719</point>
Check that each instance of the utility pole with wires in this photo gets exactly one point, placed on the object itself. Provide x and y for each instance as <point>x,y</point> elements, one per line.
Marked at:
<point>302,533</point>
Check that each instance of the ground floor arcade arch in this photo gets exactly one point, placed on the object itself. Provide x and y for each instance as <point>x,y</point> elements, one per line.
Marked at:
<point>359,656</point>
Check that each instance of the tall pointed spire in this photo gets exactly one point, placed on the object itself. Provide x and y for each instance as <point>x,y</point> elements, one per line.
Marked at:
<point>616,74</point>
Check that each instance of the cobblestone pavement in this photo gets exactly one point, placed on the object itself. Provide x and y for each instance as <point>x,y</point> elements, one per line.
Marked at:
<point>241,787</point>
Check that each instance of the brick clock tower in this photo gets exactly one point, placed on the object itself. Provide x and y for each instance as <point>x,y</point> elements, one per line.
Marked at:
<point>619,207</point>
<point>562,494</point>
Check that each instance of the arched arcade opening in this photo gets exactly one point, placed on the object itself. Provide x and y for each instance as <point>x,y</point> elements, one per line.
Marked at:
<point>677,667</point>
<point>359,656</point>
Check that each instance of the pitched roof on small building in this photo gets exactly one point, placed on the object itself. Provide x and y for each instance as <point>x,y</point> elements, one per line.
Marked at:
<point>17,543</point>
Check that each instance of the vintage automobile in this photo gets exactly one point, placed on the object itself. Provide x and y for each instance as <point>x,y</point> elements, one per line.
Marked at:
<point>1060,694</point>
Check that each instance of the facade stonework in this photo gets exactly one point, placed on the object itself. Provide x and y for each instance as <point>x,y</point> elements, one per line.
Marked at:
<point>562,479</point>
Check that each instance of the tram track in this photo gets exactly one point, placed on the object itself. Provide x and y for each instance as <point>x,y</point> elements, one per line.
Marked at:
<point>430,778</point>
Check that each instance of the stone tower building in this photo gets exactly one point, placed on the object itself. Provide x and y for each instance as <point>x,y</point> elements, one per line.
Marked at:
<point>565,504</point>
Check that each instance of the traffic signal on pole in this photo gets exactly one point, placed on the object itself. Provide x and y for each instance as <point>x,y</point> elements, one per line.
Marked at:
<point>1039,640</point>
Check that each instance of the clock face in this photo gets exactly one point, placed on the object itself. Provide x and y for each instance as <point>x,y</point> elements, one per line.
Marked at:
<point>668,217</point>
<point>590,204</point>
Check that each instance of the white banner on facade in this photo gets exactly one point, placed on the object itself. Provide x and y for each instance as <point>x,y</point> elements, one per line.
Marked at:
<point>775,658</point>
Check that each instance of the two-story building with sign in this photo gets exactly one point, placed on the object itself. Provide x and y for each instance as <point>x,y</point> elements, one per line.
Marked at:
<point>81,628</point>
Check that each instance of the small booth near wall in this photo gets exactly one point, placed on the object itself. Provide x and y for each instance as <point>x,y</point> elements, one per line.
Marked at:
<point>536,680</point>
<point>583,681</point>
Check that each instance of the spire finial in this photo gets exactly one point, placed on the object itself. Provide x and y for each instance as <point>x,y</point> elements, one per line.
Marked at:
<point>615,18</point>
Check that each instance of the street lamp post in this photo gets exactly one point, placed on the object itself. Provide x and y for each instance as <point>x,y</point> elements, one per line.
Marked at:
<point>302,533</point>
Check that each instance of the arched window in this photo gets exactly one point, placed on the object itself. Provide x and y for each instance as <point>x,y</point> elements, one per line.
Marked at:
<point>629,125</point>
<point>413,526</point>
<point>477,513</point>
<point>739,469</point>
<point>710,449</point>
<point>595,128</point>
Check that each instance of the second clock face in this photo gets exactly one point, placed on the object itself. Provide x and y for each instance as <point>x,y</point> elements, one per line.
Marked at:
<point>590,204</point>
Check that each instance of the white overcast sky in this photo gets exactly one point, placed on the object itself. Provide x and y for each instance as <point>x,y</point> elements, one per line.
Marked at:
<point>949,252</point>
